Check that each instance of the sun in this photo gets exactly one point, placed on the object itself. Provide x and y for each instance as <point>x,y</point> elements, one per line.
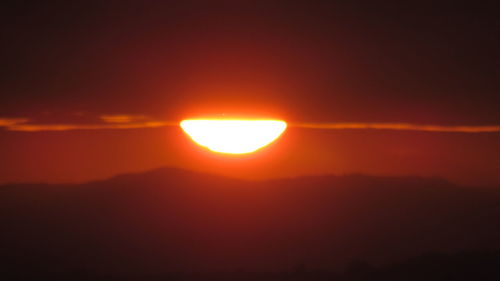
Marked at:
<point>234,136</point>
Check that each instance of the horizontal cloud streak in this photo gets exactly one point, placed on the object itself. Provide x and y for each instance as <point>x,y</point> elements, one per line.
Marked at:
<point>68,127</point>
<point>110,122</point>
<point>7,122</point>
<point>398,127</point>
<point>122,118</point>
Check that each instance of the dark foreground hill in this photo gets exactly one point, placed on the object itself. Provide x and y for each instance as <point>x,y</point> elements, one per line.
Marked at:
<point>171,220</point>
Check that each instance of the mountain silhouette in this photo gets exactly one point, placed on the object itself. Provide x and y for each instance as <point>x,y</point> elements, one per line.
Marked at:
<point>173,220</point>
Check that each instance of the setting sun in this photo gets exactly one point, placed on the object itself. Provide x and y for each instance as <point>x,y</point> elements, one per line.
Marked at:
<point>233,136</point>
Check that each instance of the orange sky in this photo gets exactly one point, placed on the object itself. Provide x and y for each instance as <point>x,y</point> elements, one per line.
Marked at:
<point>81,155</point>
<point>94,90</point>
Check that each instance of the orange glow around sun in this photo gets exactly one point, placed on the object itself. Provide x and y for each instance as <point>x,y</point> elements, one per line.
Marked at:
<point>234,136</point>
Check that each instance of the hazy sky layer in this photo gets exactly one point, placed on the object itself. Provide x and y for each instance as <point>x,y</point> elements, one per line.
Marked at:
<point>77,65</point>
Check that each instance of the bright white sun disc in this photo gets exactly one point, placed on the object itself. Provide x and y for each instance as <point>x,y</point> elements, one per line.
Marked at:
<point>231,135</point>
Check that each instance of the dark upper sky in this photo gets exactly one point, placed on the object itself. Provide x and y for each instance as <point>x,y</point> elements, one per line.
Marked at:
<point>419,62</point>
<point>386,61</point>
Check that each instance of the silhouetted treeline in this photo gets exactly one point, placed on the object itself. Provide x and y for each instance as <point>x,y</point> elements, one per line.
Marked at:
<point>463,266</point>
<point>173,224</point>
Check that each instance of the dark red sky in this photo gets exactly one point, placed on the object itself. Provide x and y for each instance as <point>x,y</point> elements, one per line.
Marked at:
<point>384,62</point>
